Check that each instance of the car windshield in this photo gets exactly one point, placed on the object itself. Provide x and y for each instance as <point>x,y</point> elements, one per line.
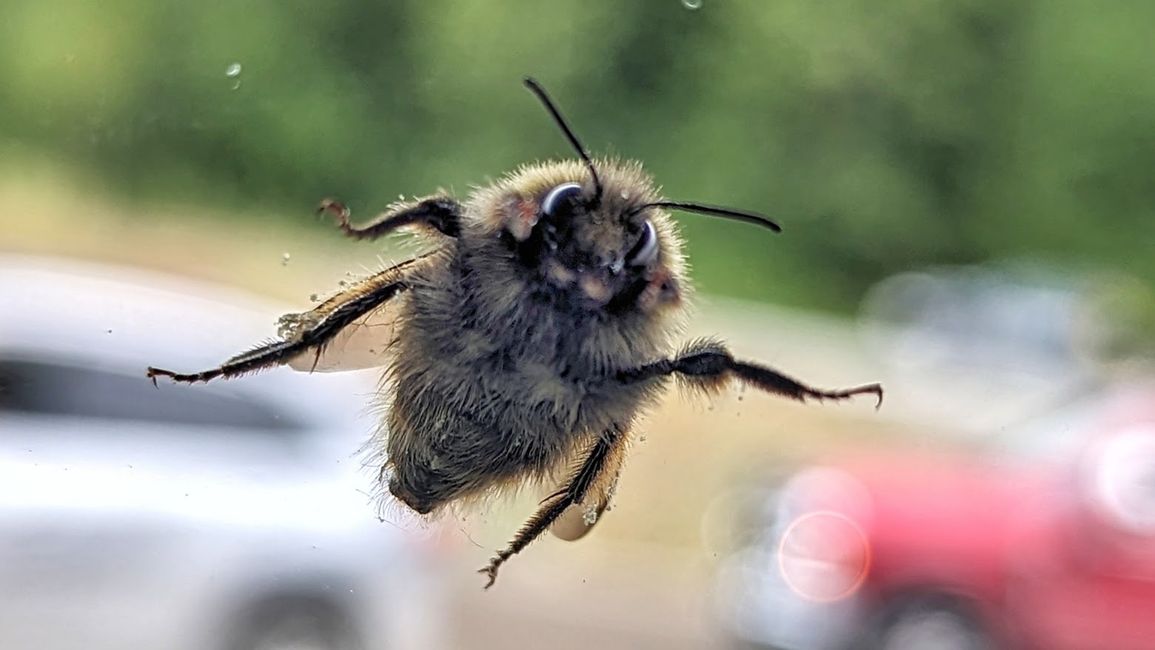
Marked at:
<point>509,274</point>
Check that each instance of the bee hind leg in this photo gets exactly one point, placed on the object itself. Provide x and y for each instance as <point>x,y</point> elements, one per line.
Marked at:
<point>602,459</point>
<point>260,357</point>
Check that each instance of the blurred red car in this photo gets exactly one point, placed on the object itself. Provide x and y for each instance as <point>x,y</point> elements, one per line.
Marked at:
<point>1048,544</point>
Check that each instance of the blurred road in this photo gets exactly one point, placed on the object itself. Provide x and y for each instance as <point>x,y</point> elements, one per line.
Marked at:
<point>553,597</point>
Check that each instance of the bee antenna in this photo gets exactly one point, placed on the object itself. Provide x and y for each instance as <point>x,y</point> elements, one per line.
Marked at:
<point>714,211</point>
<point>537,90</point>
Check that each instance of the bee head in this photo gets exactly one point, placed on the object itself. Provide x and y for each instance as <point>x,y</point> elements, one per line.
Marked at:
<point>611,251</point>
<point>600,231</point>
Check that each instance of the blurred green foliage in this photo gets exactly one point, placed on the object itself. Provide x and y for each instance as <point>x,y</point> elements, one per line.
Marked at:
<point>884,135</point>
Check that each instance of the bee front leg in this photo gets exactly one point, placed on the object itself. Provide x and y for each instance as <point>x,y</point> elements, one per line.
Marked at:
<point>330,321</point>
<point>708,365</point>
<point>601,459</point>
<point>441,213</point>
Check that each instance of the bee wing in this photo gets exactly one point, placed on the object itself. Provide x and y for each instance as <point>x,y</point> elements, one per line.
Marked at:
<point>364,343</point>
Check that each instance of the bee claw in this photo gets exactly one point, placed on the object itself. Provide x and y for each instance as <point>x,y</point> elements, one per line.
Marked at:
<point>152,374</point>
<point>869,389</point>
<point>494,564</point>
<point>491,572</point>
<point>335,207</point>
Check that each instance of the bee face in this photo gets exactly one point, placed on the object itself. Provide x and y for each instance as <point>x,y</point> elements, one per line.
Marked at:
<point>607,251</point>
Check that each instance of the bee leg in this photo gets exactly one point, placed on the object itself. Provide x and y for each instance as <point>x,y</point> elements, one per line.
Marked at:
<point>579,519</point>
<point>441,213</point>
<point>314,337</point>
<point>708,365</point>
<point>600,458</point>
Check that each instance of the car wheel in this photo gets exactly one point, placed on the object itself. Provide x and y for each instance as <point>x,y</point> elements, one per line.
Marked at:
<point>298,626</point>
<point>928,624</point>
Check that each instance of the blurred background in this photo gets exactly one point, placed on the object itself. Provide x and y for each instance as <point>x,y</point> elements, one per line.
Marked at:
<point>969,216</point>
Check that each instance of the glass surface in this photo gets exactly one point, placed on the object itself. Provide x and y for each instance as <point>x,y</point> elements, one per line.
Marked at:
<point>968,218</point>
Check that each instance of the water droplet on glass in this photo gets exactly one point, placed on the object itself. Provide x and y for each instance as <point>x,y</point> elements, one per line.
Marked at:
<point>234,72</point>
<point>692,4</point>
<point>285,257</point>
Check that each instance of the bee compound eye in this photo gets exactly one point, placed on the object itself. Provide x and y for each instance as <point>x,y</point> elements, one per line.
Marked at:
<point>646,249</point>
<point>561,199</point>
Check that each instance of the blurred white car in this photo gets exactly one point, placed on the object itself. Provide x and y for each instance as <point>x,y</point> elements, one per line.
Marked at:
<point>232,515</point>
